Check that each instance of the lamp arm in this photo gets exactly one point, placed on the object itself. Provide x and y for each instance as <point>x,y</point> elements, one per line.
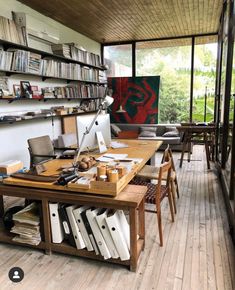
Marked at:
<point>84,136</point>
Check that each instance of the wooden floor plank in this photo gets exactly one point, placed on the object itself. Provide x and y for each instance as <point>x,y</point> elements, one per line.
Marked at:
<point>197,252</point>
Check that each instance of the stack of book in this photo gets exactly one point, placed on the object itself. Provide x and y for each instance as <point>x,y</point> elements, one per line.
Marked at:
<point>104,231</point>
<point>26,225</point>
<point>61,49</point>
<point>5,59</point>
<point>74,51</point>
<point>11,32</point>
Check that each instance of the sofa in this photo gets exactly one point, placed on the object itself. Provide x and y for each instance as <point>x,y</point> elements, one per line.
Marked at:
<point>167,133</point>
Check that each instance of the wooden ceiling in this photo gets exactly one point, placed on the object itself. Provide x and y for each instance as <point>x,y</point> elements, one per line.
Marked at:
<point>124,20</point>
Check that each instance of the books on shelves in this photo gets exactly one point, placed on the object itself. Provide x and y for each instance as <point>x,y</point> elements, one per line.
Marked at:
<point>26,225</point>
<point>76,52</point>
<point>61,49</point>
<point>11,32</point>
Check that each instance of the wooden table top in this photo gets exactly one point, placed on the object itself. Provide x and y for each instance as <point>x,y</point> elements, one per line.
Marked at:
<point>144,149</point>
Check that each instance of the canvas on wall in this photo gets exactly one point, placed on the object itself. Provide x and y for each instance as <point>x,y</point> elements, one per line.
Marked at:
<point>138,98</point>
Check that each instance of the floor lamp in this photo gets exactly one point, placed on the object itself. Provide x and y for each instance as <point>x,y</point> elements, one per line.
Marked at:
<point>107,101</point>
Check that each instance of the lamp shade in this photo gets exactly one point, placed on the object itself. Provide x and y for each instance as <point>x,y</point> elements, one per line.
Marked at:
<point>107,101</point>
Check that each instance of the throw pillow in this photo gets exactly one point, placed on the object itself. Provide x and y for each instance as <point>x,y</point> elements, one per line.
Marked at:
<point>171,134</point>
<point>150,129</point>
<point>169,129</point>
<point>161,129</point>
<point>115,130</point>
<point>147,134</point>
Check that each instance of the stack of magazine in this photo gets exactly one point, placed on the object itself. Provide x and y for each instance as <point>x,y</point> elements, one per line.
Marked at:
<point>26,225</point>
<point>104,231</point>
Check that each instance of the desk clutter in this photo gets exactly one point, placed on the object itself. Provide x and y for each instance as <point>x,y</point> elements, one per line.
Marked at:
<point>104,231</point>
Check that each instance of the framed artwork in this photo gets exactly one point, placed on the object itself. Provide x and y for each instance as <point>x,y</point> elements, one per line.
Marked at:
<point>26,91</point>
<point>17,91</point>
<point>135,99</point>
<point>36,93</point>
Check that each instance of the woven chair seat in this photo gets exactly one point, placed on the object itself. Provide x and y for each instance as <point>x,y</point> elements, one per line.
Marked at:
<point>152,172</point>
<point>150,196</point>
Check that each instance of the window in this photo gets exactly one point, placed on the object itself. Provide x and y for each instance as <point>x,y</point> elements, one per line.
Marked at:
<point>205,55</point>
<point>171,60</point>
<point>118,58</point>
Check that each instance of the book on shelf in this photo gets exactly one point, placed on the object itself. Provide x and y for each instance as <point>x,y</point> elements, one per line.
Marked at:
<point>11,32</point>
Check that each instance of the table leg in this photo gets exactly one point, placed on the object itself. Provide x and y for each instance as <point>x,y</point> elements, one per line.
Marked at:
<point>182,153</point>
<point>207,151</point>
<point>142,222</point>
<point>1,206</point>
<point>133,239</point>
<point>46,225</point>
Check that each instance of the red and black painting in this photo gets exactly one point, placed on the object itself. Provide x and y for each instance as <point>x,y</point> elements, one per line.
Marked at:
<point>135,99</point>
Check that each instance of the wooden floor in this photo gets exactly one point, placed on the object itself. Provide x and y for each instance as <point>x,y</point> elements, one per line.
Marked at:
<point>197,252</point>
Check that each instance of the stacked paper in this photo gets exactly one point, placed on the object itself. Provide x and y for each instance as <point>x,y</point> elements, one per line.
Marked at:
<point>27,225</point>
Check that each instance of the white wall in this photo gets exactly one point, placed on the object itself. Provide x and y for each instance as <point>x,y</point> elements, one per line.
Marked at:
<point>13,137</point>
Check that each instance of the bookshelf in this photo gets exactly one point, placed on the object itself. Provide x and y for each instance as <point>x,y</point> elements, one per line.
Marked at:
<point>130,199</point>
<point>40,117</point>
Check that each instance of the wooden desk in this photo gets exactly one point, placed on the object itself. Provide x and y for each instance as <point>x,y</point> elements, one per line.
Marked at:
<point>131,199</point>
<point>190,133</point>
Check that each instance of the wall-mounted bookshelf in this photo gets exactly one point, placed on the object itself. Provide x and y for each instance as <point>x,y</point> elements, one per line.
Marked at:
<point>7,44</point>
<point>43,116</point>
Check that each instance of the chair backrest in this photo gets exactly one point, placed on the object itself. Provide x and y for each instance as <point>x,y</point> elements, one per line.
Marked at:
<point>168,155</point>
<point>164,167</point>
<point>40,146</point>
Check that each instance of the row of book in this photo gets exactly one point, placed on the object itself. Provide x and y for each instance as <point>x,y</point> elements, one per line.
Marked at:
<point>104,231</point>
<point>27,225</point>
<point>30,62</point>
<point>11,32</point>
<point>72,50</point>
<point>74,91</point>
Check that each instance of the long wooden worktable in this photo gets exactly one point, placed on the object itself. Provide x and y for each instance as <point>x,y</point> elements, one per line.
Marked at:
<point>131,199</point>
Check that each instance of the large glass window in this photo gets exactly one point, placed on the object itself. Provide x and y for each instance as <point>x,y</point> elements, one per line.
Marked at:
<point>205,55</point>
<point>171,60</point>
<point>118,58</point>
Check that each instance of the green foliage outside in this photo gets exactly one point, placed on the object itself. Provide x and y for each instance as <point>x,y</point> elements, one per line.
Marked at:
<point>173,65</point>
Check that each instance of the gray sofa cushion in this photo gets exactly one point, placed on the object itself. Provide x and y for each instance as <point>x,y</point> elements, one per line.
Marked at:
<point>171,134</point>
<point>147,134</point>
<point>149,129</point>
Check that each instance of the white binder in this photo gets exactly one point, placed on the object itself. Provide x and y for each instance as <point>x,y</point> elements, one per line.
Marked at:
<point>56,225</point>
<point>91,214</point>
<point>100,218</point>
<point>76,233</point>
<point>124,226</point>
<point>118,236</point>
<point>77,214</point>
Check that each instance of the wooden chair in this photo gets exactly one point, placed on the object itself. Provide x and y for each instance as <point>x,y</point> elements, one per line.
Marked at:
<point>156,193</point>
<point>152,172</point>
